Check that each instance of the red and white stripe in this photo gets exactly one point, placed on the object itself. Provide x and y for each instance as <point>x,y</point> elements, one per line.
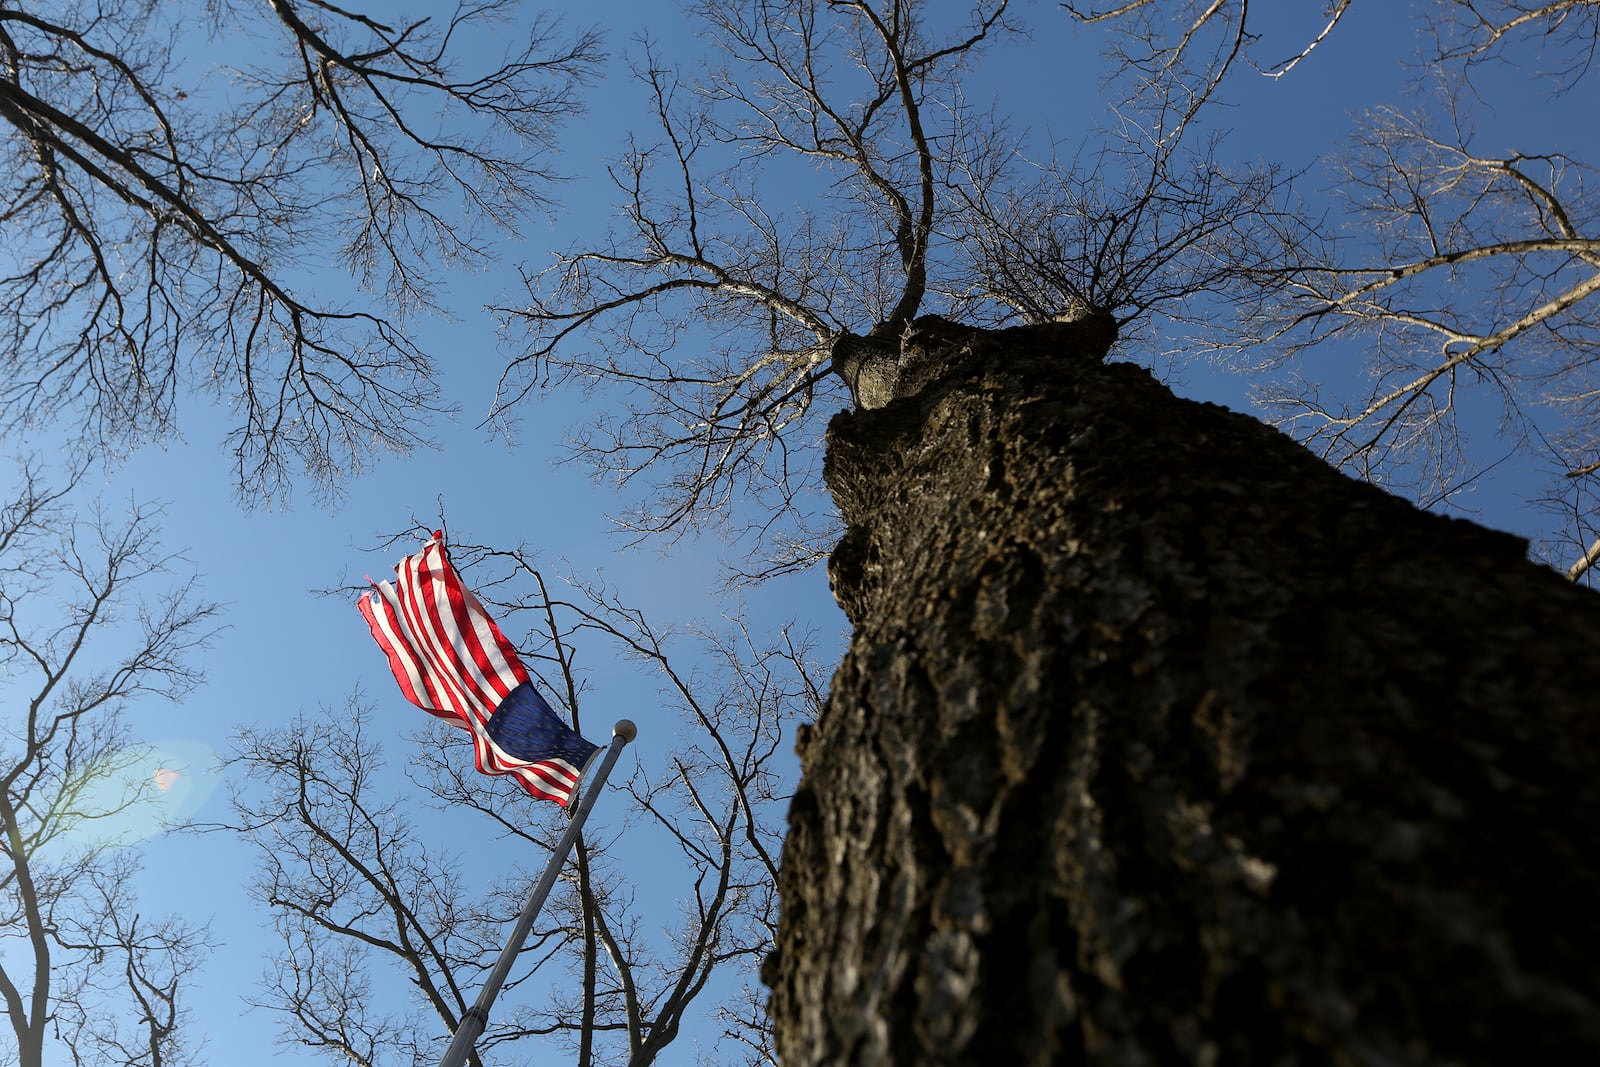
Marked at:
<point>452,661</point>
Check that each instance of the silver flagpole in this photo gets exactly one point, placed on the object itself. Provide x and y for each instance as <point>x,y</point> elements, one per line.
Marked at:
<point>476,1018</point>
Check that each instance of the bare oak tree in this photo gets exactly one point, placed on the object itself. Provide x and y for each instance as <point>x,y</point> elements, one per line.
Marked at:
<point>836,87</point>
<point>85,631</point>
<point>1157,740</point>
<point>1160,742</point>
<point>728,326</point>
<point>161,215</point>
<point>358,893</point>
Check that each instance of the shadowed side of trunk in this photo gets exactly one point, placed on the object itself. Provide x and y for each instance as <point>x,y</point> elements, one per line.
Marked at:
<point>1159,741</point>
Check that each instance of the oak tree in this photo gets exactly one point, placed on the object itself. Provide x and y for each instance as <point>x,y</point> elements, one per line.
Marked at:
<point>1157,740</point>
<point>727,329</point>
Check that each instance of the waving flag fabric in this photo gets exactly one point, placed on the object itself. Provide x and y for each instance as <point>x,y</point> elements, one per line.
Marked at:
<point>452,660</point>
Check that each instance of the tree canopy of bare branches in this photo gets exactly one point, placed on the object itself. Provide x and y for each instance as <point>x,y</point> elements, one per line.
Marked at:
<point>1566,33</point>
<point>159,218</point>
<point>85,631</point>
<point>725,316</point>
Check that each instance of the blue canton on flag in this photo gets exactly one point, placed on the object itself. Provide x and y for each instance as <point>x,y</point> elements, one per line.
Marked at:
<point>526,727</point>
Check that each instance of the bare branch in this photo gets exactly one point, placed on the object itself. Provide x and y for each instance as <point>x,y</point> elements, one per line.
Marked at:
<point>1475,270</point>
<point>1567,32</point>
<point>1278,70</point>
<point>1174,77</point>
<point>158,237</point>
<point>1142,231</point>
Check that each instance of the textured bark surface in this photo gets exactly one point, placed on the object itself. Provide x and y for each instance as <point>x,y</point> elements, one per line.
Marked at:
<point>1160,742</point>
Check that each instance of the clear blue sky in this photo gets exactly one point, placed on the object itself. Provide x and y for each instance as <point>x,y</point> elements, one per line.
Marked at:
<point>287,649</point>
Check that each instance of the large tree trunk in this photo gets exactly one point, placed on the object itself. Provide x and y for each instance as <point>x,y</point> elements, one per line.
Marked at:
<point>1160,742</point>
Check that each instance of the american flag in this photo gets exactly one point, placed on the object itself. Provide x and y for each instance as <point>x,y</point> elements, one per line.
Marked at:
<point>452,660</point>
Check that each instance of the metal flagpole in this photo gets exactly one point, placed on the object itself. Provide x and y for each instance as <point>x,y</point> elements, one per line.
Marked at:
<point>476,1018</point>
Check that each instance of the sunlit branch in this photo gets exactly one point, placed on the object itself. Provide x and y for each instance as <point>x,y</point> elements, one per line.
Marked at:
<point>1280,69</point>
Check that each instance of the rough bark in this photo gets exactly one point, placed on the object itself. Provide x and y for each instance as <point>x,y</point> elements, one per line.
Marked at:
<point>1160,742</point>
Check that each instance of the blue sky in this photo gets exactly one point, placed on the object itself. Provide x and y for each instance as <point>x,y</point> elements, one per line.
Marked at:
<point>287,649</point>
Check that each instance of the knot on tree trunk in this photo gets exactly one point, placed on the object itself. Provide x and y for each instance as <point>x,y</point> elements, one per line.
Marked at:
<point>880,369</point>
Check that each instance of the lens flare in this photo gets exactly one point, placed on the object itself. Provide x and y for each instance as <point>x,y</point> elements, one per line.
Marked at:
<point>137,793</point>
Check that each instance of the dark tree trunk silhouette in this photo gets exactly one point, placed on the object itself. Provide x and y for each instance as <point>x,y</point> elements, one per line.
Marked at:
<point>1159,741</point>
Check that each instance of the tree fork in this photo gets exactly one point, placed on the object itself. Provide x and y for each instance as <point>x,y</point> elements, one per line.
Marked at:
<point>1159,741</point>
